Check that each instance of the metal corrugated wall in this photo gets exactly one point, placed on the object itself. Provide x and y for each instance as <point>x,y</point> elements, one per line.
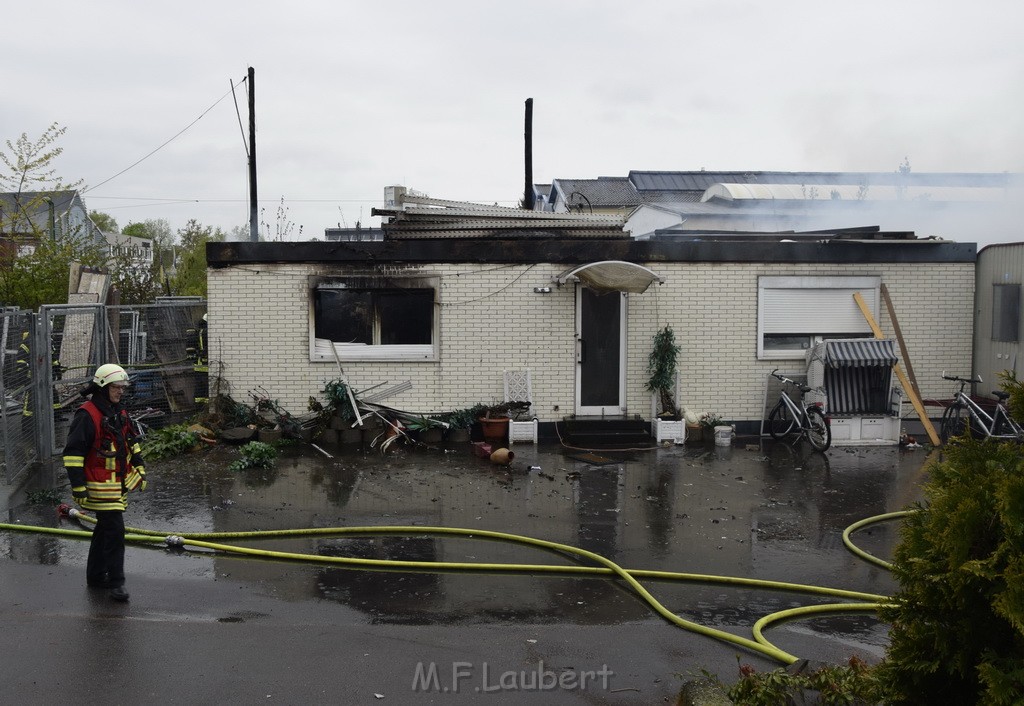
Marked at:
<point>997,264</point>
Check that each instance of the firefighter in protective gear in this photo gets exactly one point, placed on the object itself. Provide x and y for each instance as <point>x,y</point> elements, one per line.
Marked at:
<point>196,352</point>
<point>23,365</point>
<point>103,463</point>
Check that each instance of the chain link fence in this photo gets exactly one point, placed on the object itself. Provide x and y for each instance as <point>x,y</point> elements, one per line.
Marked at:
<point>18,430</point>
<point>162,346</point>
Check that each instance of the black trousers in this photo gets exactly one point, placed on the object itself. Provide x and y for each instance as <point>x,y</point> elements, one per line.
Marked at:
<point>105,566</point>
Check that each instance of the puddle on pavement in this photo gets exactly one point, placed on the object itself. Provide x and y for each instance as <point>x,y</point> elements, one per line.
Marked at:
<point>776,512</point>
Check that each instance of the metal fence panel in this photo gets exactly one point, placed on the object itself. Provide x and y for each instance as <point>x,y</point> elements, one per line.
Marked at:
<point>47,359</point>
<point>76,339</point>
<point>17,428</point>
<point>162,346</point>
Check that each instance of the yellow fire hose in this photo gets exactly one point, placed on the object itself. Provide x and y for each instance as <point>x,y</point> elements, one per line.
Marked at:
<point>868,602</point>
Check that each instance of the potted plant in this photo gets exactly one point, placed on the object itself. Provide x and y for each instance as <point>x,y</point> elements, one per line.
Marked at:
<point>459,423</point>
<point>336,418</point>
<point>708,421</point>
<point>428,430</point>
<point>494,422</point>
<point>661,365</point>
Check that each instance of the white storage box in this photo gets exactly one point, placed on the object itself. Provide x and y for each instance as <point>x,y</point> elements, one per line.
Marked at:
<point>663,430</point>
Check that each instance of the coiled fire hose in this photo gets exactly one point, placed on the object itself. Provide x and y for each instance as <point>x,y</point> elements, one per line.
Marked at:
<point>867,602</point>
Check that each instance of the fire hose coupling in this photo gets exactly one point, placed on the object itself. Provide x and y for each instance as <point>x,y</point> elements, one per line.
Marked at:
<point>67,511</point>
<point>174,540</point>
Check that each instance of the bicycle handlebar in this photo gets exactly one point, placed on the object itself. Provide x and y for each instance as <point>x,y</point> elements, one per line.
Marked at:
<point>783,378</point>
<point>957,378</point>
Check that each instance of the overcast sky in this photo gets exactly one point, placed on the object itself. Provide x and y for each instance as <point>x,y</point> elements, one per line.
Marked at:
<point>354,96</point>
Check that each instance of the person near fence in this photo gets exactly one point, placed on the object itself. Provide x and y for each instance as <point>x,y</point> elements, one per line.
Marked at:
<point>23,366</point>
<point>196,351</point>
<point>103,463</point>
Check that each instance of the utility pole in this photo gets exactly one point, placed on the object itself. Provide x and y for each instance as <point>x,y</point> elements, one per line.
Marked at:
<point>528,196</point>
<point>254,224</point>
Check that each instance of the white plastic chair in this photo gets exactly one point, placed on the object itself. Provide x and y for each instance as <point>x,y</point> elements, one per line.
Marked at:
<point>518,388</point>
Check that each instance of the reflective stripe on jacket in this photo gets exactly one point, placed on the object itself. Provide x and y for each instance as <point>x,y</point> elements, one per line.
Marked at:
<point>109,473</point>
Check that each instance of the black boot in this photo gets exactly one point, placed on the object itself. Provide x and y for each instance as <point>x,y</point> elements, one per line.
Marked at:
<point>119,594</point>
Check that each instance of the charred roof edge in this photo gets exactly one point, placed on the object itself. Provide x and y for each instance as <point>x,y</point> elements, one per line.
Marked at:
<point>569,251</point>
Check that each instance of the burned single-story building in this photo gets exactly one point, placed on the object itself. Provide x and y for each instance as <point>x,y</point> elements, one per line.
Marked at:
<point>456,294</point>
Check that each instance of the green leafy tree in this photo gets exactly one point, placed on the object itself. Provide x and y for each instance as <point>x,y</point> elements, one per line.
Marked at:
<point>105,222</point>
<point>137,282</point>
<point>41,277</point>
<point>957,632</point>
<point>29,167</point>
<point>156,229</point>
<point>190,277</point>
<point>159,231</point>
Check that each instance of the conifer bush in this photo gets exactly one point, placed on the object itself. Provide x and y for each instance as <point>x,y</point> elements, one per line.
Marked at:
<point>957,633</point>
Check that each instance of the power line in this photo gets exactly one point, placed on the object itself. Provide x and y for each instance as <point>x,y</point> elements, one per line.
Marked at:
<point>274,200</point>
<point>178,134</point>
<point>269,200</point>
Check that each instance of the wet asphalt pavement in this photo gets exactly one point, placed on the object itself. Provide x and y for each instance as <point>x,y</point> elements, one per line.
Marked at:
<point>202,627</point>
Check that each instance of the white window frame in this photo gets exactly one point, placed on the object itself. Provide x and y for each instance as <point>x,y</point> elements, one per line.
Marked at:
<point>320,348</point>
<point>815,306</point>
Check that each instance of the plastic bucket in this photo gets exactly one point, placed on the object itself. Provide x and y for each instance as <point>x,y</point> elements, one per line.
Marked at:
<point>723,436</point>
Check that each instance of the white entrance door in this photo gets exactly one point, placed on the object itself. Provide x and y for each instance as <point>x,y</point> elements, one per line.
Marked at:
<point>600,352</point>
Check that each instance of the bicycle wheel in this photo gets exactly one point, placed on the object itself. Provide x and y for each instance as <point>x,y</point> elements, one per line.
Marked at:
<point>819,433</point>
<point>1005,427</point>
<point>780,422</point>
<point>954,422</point>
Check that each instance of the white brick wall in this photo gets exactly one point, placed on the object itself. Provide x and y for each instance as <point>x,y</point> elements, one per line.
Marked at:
<point>491,320</point>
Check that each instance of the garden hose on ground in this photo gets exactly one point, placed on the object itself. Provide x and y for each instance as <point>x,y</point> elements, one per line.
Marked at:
<point>864,523</point>
<point>868,602</point>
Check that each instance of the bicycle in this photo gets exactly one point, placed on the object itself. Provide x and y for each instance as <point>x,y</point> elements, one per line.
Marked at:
<point>966,414</point>
<point>141,420</point>
<point>788,417</point>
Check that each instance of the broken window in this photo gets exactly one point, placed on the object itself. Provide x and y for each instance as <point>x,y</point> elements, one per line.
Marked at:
<point>375,318</point>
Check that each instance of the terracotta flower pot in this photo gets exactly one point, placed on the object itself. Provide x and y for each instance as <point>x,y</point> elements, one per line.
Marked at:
<point>494,428</point>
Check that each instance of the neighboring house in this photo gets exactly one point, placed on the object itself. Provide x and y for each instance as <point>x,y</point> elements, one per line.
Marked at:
<point>998,321</point>
<point>949,205</point>
<point>604,195</point>
<point>458,293</point>
<point>138,250</point>
<point>29,216</point>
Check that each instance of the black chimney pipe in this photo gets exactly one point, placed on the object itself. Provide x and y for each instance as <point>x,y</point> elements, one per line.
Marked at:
<point>528,195</point>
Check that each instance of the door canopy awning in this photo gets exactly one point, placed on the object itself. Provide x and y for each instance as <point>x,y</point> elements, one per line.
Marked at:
<point>611,276</point>
<point>860,353</point>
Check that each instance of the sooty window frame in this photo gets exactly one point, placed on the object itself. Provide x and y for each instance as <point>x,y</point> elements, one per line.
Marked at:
<point>374,318</point>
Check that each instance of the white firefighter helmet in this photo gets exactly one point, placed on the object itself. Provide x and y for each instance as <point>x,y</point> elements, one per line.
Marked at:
<point>110,374</point>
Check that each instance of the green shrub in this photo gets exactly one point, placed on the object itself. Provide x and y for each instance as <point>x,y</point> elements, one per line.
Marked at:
<point>836,685</point>
<point>167,442</point>
<point>1016,389</point>
<point>255,454</point>
<point>957,620</point>
<point>43,496</point>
